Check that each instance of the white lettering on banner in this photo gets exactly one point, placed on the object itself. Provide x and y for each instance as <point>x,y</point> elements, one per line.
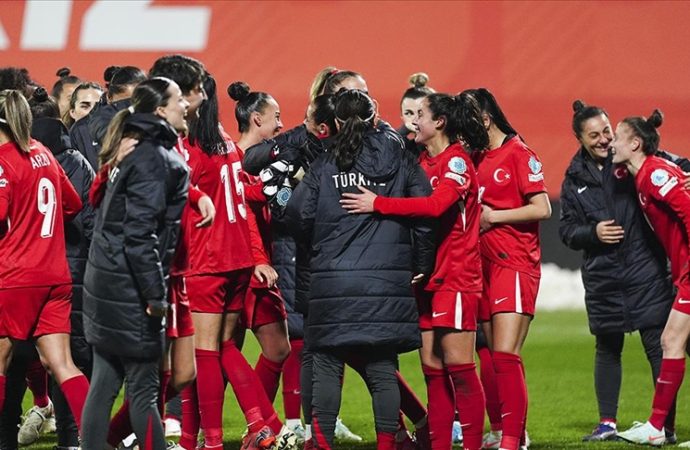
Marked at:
<point>46,24</point>
<point>135,25</point>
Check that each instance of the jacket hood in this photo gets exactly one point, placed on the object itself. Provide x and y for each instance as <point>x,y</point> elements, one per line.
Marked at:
<point>381,154</point>
<point>152,127</point>
<point>52,133</point>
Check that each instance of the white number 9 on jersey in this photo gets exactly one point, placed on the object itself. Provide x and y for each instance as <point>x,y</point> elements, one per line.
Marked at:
<point>47,202</point>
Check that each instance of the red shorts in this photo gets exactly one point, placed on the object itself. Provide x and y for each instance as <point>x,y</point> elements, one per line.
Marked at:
<point>263,306</point>
<point>448,309</point>
<point>35,311</point>
<point>682,301</point>
<point>507,290</point>
<point>218,293</point>
<point>180,322</point>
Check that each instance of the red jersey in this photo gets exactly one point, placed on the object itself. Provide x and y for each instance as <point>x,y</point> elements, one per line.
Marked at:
<point>507,176</point>
<point>35,198</point>
<point>455,202</point>
<point>666,205</point>
<point>225,245</point>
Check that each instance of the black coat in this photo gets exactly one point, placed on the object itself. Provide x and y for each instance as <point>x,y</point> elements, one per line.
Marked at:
<point>627,285</point>
<point>361,265</point>
<point>284,254</point>
<point>53,134</point>
<point>135,235</point>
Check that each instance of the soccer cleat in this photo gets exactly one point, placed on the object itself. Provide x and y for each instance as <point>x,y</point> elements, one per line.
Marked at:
<point>527,441</point>
<point>261,440</point>
<point>492,440</point>
<point>173,427</point>
<point>343,433</point>
<point>298,429</point>
<point>49,426</point>
<point>605,431</point>
<point>172,445</point>
<point>35,418</point>
<point>671,438</point>
<point>286,439</point>
<point>457,433</point>
<point>644,434</point>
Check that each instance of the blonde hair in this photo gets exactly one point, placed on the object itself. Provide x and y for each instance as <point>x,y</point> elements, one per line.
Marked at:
<point>15,118</point>
<point>419,80</point>
<point>317,85</point>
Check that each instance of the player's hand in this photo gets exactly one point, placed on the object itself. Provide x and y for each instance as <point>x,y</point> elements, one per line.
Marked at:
<point>485,219</point>
<point>417,278</point>
<point>608,233</point>
<point>156,311</point>
<point>127,146</point>
<point>359,203</point>
<point>207,210</point>
<point>267,274</point>
<point>686,181</point>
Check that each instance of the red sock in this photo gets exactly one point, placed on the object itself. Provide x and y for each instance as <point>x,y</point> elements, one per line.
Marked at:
<point>190,417</point>
<point>120,425</point>
<point>75,390</point>
<point>667,385</point>
<point>385,441</point>
<point>2,392</point>
<point>410,404</point>
<point>269,375</point>
<point>37,382</point>
<point>488,377</point>
<point>210,391</point>
<point>165,377</point>
<point>291,380</point>
<point>441,407</point>
<point>240,375</point>
<point>513,394</point>
<point>469,402</point>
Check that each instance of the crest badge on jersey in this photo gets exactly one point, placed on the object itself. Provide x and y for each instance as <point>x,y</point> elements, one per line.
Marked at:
<point>457,165</point>
<point>534,165</point>
<point>659,177</point>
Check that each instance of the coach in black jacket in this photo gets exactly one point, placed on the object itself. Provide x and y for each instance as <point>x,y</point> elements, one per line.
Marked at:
<point>134,239</point>
<point>624,271</point>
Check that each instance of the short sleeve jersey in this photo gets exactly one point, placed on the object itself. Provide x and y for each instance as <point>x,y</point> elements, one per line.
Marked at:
<point>507,176</point>
<point>32,241</point>
<point>666,205</point>
<point>225,245</point>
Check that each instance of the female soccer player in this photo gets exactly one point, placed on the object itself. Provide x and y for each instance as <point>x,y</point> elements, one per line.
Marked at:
<point>366,260</point>
<point>666,205</point>
<point>409,105</point>
<point>449,305</point>
<point>125,285</point>
<point>514,200</point>
<point>35,283</point>
<point>624,269</point>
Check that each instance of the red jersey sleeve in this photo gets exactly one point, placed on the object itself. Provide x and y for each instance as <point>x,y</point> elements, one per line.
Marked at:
<point>446,194</point>
<point>673,194</point>
<point>195,195</point>
<point>97,190</point>
<point>530,173</point>
<point>259,253</point>
<point>71,202</point>
<point>5,191</point>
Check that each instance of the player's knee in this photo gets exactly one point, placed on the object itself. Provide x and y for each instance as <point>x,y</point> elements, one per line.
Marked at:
<point>183,377</point>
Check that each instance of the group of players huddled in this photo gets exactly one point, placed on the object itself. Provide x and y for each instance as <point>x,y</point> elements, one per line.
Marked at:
<point>139,241</point>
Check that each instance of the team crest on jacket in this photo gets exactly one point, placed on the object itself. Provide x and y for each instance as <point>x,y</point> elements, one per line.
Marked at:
<point>283,196</point>
<point>457,165</point>
<point>659,177</point>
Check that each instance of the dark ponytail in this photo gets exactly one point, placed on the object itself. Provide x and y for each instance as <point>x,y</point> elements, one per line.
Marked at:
<point>582,113</point>
<point>247,103</point>
<point>324,112</point>
<point>463,118</point>
<point>355,111</point>
<point>118,78</point>
<point>645,129</point>
<point>42,105</point>
<point>64,77</point>
<point>489,106</point>
<point>205,129</point>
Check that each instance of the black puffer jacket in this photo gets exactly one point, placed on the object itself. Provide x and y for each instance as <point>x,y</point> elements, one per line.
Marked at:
<point>136,231</point>
<point>53,134</point>
<point>627,285</point>
<point>283,260</point>
<point>361,265</point>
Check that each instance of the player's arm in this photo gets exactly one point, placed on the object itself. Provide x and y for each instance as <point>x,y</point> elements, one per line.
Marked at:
<point>574,232</point>
<point>300,211</point>
<point>71,202</point>
<point>423,231</point>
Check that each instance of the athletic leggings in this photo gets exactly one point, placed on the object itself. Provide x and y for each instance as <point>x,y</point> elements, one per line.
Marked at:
<point>379,364</point>
<point>608,369</point>
<point>141,375</point>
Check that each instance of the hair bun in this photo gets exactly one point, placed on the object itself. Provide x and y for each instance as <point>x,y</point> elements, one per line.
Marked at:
<point>419,79</point>
<point>578,105</point>
<point>63,72</point>
<point>238,91</point>
<point>40,95</point>
<point>656,118</point>
<point>109,72</point>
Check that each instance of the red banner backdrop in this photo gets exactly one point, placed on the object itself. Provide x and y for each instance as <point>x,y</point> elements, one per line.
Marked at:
<point>537,57</point>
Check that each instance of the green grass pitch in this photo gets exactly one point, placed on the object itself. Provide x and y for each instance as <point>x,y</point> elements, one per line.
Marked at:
<point>559,356</point>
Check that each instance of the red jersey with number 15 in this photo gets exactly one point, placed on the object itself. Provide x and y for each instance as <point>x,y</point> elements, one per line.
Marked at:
<point>666,204</point>
<point>508,175</point>
<point>35,197</point>
<point>225,245</point>
<point>455,202</point>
